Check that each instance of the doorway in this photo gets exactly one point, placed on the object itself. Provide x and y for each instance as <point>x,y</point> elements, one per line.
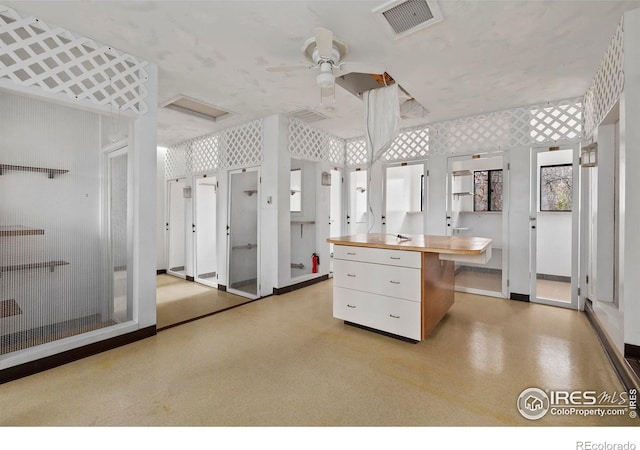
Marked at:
<point>242,232</point>
<point>404,198</point>
<point>478,205</point>
<point>206,246</point>
<point>554,225</point>
<point>175,227</point>
<point>357,216</point>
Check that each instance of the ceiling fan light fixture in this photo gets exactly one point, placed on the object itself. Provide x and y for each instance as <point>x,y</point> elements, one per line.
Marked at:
<point>325,79</point>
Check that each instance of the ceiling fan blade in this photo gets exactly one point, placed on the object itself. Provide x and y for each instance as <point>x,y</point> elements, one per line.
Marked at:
<point>362,67</point>
<point>324,42</point>
<point>287,68</point>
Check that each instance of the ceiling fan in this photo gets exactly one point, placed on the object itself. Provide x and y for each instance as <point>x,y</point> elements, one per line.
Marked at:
<point>326,54</point>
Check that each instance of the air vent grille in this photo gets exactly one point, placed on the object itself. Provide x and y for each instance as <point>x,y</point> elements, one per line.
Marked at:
<point>197,108</point>
<point>402,17</point>
<point>408,15</point>
<point>307,115</point>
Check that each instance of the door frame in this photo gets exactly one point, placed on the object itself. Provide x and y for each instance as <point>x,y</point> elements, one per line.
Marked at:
<point>575,226</point>
<point>196,277</point>
<point>506,203</point>
<point>168,230</point>
<point>231,290</point>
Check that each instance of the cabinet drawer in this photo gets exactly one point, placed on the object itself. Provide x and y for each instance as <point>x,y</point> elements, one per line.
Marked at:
<point>402,258</point>
<point>391,281</point>
<point>383,313</point>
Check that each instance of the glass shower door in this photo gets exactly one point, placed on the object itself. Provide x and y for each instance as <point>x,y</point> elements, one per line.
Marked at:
<point>243,233</point>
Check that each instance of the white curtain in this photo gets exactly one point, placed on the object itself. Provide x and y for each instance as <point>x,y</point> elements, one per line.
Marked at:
<point>382,120</point>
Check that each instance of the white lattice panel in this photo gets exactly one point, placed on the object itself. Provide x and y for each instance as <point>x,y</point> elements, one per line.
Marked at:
<point>306,142</point>
<point>176,161</point>
<point>606,88</point>
<point>356,153</point>
<point>409,145</point>
<point>32,53</point>
<point>336,151</point>
<point>205,154</point>
<point>494,130</point>
<point>242,146</point>
<point>556,122</point>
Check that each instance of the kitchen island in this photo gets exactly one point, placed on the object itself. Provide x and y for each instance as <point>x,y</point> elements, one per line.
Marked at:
<point>402,287</point>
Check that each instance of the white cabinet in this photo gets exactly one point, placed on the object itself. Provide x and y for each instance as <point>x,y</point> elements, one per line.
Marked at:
<point>379,288</point>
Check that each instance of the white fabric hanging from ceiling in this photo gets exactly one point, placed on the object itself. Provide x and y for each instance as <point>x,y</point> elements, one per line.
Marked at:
<point>382,120</point>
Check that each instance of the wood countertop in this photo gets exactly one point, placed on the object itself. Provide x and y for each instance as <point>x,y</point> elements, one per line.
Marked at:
<point>454,245</point>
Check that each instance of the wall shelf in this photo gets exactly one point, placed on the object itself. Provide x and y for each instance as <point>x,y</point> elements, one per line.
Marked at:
<point>48,170</point>
<point>461,173</point>
<point>458,194</point>
<point>39,265</point>
<point>19,230</point>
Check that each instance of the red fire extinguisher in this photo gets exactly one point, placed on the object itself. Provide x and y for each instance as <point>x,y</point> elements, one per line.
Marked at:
<point>315,259</point>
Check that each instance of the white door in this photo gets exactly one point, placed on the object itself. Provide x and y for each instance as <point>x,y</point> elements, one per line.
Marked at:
<point>206,246</point>
<point>554,220</point>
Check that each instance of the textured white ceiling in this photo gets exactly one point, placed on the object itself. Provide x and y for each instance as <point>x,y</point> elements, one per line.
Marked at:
<point>484,56</point>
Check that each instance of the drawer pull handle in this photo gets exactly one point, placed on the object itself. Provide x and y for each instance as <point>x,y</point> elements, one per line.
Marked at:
<point>350,306</point>
<point>395,317</point>
<point>394,282</point>
<point>350,253</point>
<point>351,275</point>
<point>394,257</point>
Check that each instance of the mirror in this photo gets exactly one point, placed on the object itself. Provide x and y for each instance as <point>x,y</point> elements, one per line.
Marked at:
<point>295,204</point>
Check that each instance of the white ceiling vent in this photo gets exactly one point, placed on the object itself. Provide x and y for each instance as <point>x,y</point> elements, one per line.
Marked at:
<point>307,115</point>
<point>197,108</point>
<point>403,17</point>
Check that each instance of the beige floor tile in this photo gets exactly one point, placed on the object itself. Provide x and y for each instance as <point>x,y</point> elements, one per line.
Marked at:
<point>285,361</point>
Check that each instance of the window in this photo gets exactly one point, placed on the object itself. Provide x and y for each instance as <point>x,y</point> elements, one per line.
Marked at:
<point>556,187</point>
<point>487,190</point>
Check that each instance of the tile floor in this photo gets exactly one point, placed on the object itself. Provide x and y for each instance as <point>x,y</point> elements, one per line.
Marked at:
<point>285,361</point>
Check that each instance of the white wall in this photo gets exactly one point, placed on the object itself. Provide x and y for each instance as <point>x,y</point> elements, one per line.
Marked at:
<point>630,168</point>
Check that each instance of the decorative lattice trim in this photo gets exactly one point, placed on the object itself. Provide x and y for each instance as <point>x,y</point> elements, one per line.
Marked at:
<point>607,86</point>
<point>356,153</point>
<point>176,161</point>
<point>336,151</point>
<point>205,154</point>
<point>556,122</point>
<point>242,146</point>
<point>32,53</point>
<point>312,144</point>
<point>410,144</point>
